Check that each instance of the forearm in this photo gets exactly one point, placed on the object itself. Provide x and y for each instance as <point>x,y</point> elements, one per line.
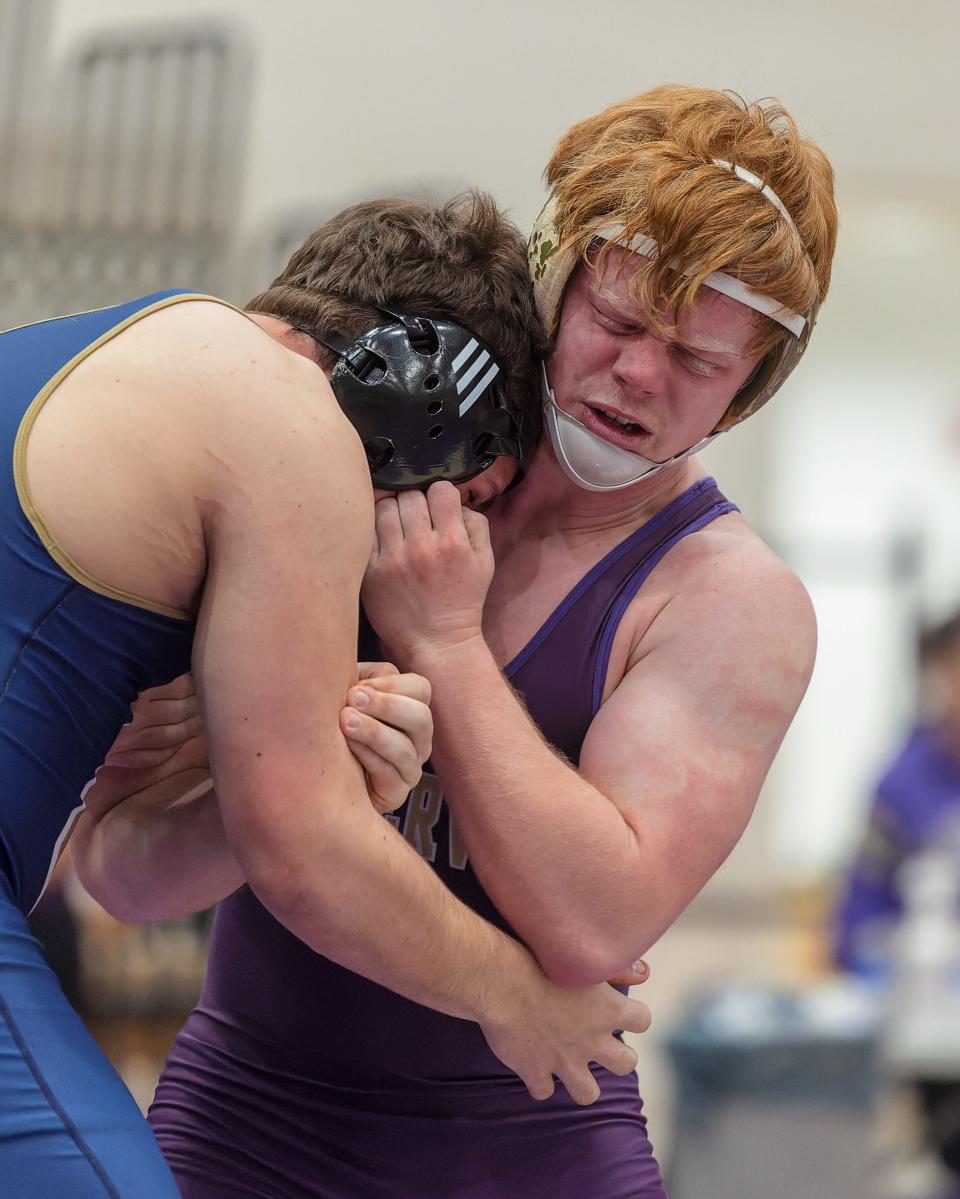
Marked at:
<point>555,855</point>
<point>159,855</point>
<point>345,882</point>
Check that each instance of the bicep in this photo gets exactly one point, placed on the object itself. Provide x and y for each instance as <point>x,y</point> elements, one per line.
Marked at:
<point>684,743</point>
<point>276,640</point>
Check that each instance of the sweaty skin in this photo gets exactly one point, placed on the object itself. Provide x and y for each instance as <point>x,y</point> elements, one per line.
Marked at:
<point>207,492</point>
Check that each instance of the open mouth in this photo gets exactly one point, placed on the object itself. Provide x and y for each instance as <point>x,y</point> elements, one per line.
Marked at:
<point>614,426</point>
<point>619,422</point>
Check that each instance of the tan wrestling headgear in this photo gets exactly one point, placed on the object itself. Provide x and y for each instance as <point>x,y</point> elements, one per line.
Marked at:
<point>587,459</point>
<point>552,264</point>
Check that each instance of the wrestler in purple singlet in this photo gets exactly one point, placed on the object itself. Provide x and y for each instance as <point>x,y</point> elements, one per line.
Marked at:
<point>296,1079</point>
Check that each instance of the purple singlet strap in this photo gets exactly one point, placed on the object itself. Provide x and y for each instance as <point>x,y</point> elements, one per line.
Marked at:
<point>633,583</point>
<point>562,669</point>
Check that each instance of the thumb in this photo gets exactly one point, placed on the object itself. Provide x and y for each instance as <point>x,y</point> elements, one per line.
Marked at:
<point>632,976</point>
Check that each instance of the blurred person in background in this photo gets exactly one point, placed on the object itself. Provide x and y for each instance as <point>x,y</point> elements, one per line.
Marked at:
<point>607,701</point>
<point>915,802</point>
<point>182,485</point>
<point>914,818</point>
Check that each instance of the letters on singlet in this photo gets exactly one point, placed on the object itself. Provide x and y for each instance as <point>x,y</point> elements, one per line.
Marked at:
<point>417,820</point>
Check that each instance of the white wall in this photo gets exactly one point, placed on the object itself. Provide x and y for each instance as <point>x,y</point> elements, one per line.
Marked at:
<point>350,97</point>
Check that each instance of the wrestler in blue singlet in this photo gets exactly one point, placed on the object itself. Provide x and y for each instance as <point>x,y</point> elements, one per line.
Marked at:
<point>74,654</point>
<point>297,1079</point>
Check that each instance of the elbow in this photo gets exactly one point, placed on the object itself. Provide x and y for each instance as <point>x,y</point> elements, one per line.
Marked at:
<point>290,883</point>
<point>124,903</point>
<point>584,964</point>
<point>281,891</point>
<point>596,952</point>
<point>111,889</point>
<point>296,867</point>
<point>131,901</point>
<point>126,910</point>
<point>574,973</point>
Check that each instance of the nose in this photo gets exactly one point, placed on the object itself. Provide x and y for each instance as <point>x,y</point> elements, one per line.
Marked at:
<point>641,364</point>
<point>477,494</point>
<point>480,492</point>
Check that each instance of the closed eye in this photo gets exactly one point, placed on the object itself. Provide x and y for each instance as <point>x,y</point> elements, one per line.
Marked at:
<point>697,364</point>
<point>624,328</point>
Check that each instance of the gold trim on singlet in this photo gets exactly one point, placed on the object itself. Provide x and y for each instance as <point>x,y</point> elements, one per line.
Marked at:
<point>30,511</point>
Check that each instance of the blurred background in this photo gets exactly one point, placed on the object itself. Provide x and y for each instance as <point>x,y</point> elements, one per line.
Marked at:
<point>163,143</point>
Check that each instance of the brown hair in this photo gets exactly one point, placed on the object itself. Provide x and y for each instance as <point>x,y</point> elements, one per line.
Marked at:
<point>462,260</point>
<point>646,164</point>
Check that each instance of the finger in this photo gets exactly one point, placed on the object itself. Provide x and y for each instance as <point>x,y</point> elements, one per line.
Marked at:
<point>414,686</point>
<point>181,688</point>
<point>635,1016</point>
<point>136,734</point>
<point>633,976</point>
<point>414,515</point>
<point>193,750</point>
<point>446,509</point>
<point>581,1086</point>
<point>540,1087</point>
<point>407,716</point>
<point>132,772</point>
<point>619,1059</point>
<point>375,670</point>
<point>164,711</point>
<point>478,530</point>
<point>158,736</point>
<point>397,698</point>
<point>139,759</point>
<point>387,743</point>
<point>386,519</point>
<point>387,790</point>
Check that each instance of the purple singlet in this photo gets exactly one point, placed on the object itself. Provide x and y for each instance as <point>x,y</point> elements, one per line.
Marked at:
<point>296,1079</point>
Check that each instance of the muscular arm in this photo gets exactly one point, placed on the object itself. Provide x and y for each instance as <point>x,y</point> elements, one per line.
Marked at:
<point>272,663</point>
<point>160,854</point>
<point>592,865</point>
<point>274,657</point>
<point>150,844</point>
<point>249,458</point>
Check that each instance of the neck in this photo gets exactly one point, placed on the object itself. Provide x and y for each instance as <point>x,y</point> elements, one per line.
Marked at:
<point>291,339</point>
<point>547,502</point>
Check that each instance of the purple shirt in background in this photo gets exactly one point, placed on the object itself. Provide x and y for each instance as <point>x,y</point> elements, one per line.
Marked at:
<point>915,799</point>
<point>294,1077</point>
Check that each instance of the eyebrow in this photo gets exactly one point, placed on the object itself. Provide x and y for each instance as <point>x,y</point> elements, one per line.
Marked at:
<point>710,345</point>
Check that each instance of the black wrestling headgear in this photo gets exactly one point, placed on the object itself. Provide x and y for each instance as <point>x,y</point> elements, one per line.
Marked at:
<point>428,398</point>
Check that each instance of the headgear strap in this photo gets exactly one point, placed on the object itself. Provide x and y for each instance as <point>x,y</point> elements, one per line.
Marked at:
<point>763,188</point>
<point>552,263</point>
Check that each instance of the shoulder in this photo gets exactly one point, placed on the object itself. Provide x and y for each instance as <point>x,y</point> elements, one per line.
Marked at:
<point>199,348</point>
<point>205,348</point>
<point>208,377</point>
<point>725,586</point>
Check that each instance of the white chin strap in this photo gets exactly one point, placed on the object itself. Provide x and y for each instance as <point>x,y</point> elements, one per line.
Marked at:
<point>590,461</point>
